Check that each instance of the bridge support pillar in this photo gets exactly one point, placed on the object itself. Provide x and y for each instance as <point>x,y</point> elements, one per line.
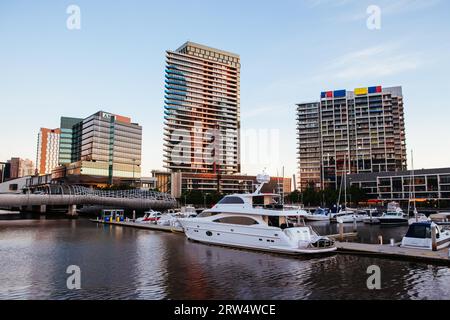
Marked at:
<point>72,210</point>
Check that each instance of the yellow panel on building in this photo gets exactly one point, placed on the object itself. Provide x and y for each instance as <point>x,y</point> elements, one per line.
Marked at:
<point>361,91</point>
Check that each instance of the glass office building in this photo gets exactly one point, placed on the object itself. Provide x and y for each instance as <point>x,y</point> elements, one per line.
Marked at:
<point>66,140</point>
<point>104,149</point>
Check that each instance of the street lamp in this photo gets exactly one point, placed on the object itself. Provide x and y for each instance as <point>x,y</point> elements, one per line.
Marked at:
<point>134,161</point>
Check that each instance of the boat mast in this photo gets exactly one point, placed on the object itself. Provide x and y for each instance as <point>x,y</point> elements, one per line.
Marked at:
<point>282,181</point>
<point>414,186</point>
<point>345,181</point>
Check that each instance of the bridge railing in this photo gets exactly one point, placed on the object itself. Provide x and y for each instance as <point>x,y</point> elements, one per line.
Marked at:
<point>76,190</point>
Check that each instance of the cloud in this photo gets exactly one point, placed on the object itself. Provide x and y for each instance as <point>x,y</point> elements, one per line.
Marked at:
<point>371,63</point>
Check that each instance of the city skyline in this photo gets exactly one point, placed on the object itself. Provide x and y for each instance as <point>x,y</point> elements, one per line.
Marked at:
<point>119,66</point>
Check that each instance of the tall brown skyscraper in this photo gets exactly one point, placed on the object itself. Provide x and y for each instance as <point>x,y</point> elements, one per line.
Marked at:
<point>202,110</point>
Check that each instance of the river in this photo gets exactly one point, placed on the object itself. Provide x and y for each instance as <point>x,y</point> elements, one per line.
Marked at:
<point>126,263</point>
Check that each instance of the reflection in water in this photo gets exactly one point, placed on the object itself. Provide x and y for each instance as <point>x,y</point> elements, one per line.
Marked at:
<point>124,263</point>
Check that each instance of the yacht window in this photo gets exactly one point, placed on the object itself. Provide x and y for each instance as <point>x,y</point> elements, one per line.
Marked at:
<point>419,231</point>
<point>231,200</point>
<point>245,221</point>
<point>206,214</point>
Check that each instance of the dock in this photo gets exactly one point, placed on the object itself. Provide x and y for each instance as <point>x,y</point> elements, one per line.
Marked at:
<point>388,251</point>
<point>147,226</point>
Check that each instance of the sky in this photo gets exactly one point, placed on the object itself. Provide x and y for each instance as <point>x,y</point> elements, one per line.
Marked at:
<point>290,51</point>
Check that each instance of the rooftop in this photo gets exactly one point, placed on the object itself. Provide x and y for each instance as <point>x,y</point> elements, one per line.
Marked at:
<point>201,46</point>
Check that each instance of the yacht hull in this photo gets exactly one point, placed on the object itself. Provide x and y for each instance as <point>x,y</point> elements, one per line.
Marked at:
<point>271,249</point>
<point>392,221</point>
<point>257,239</point>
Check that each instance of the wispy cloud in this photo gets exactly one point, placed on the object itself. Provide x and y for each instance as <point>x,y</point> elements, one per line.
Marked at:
<point>371,63</point>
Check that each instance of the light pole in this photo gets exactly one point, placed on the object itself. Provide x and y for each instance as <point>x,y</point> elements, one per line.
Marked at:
<point>134,161</point>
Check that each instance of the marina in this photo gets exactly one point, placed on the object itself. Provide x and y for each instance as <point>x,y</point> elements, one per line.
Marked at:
<point>123,262</point>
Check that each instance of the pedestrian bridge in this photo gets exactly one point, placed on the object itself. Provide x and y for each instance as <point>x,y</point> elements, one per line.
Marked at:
<point>72,195</point>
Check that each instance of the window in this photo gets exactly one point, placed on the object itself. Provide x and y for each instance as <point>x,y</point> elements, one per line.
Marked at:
<point>245,221</point>
<point>231,200</point>
<point>419,231</point>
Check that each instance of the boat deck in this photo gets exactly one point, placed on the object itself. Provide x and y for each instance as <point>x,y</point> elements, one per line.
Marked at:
<point>148,226</point>
<point>385,250</point>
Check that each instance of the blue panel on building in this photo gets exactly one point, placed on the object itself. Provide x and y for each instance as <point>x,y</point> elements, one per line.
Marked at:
<point>323,94</point>
<point>340,93</point>
<point>372,89</point>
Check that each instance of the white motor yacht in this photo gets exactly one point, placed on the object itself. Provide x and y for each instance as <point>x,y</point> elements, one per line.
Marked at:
<point>319,215</point>
<point>419,235</point>
<point>255,221</point>
<point>349,217</point>
<point>394,215</point>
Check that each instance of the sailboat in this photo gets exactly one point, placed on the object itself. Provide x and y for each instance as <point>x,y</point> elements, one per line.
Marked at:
<point>346,215</point>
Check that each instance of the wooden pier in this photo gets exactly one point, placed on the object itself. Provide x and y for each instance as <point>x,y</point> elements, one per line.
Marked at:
<point>386,250</point>
<point>148,226</point>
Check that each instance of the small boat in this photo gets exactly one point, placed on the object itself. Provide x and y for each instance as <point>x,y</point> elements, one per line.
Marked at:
<point>150,217</point>
<point>393,218</point>
<point>350,217</point>
<point>441,217</point>
<point>371,220</point>
<point>420,218</point>
<point>256,221</point>
<point>394,215</point>
<point>319,215</point>
<point>419,236</point>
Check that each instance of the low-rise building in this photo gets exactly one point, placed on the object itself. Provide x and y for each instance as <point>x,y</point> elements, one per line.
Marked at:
<point>430,184</point>
<point>224,184</point>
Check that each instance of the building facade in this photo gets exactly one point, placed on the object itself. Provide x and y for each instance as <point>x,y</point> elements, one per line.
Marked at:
<point>224,184</point>
<point>67,151</point>
<point>430,184</point>
<point>18,168</point>
<point>104,149</point>
<point>47,157</point>
<point>202,110</point>
<point>308,144</point>
<point>162,180</point>
<point>360,131</point>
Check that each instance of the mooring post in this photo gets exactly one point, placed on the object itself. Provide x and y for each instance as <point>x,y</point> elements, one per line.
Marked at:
<point>355,225</point>
<point>134,215</point>
<point>392,242</point>
<point>72,210</point>
<point>380,239</point>
<point>341,230</point>
<point>433,238</point>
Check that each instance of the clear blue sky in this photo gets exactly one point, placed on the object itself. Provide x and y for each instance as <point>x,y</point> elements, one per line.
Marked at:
<point>290,51</point>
